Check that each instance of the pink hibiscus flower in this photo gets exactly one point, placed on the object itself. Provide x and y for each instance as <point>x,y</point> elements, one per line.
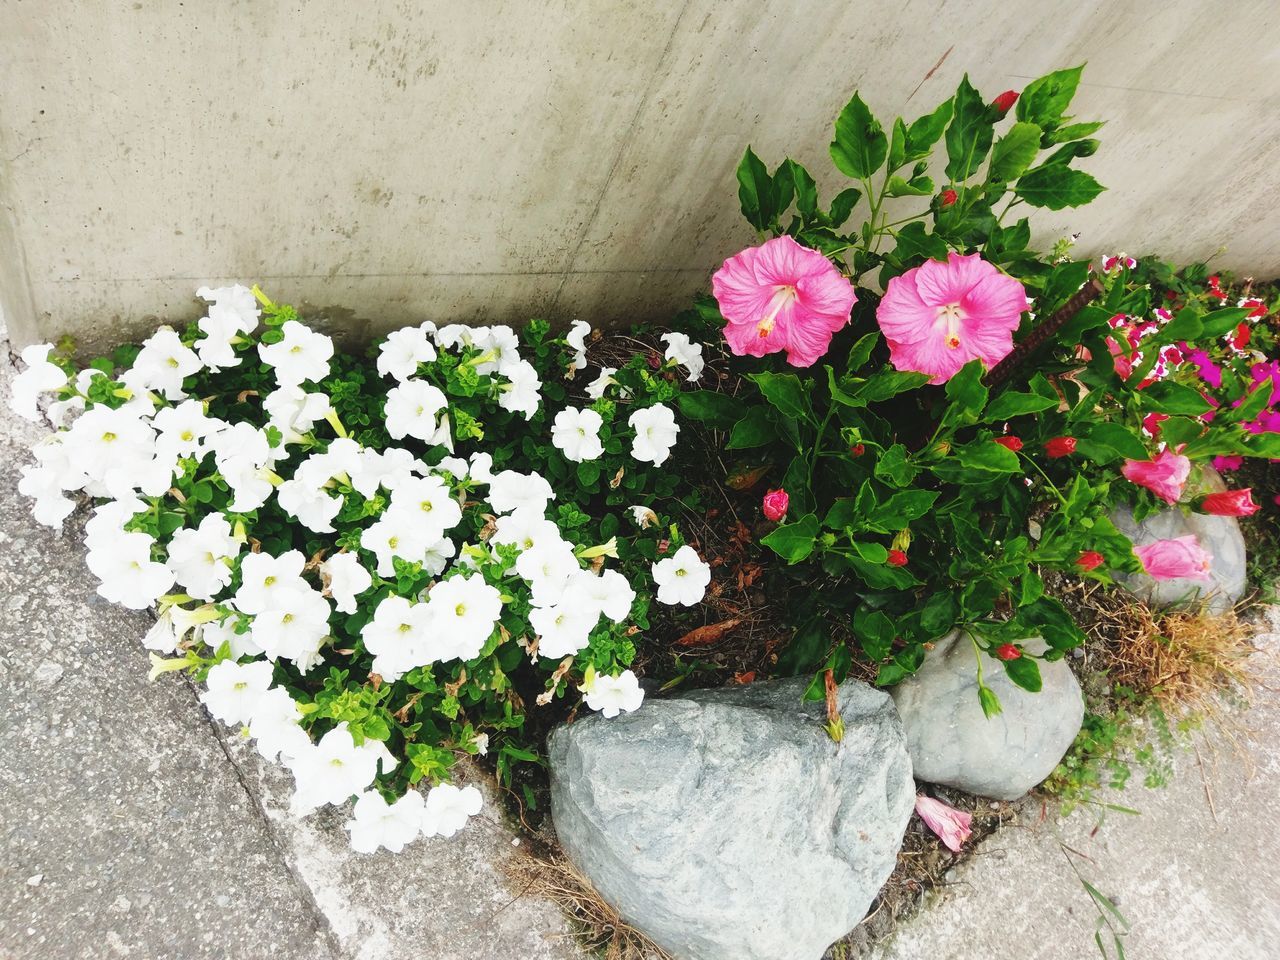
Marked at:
<point>1180,558</point>
<point>1165,476</point>
<point>951,825</point>
<point>782,296</point>
<point>939,316</point>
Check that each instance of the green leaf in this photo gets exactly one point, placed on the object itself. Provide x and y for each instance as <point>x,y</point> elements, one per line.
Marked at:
<point>589,473</point>
<point>794,541</point>
<point>939,613</point>
<point>875,632</point>
<point>754,430</point>
<point>889,383</point>
<point>1044,101</point>
<point>843,205</point>
<point>1055,186</point>
<point>970,133</point>
<point>895,467</point>
<point>1221,322</point>
<point>860,146</point>
<point>1012,404</point>
<point>717,409</point>
<point>860,353</point>
<point>1025,672</point>
<point>1074,131</point>
<point>903,507</point>
<point>915,187</point>
<point>988,456</point>
<point>913,242</point>
<point>898,145</point>
<point>806,190</point>
<point>1166,396</point>
<point>787,394</point>
<point>923,133</point>
<point>1120,439</point>
<point>967,394</point>
<point>755,191</point>
<point>1013,152</point>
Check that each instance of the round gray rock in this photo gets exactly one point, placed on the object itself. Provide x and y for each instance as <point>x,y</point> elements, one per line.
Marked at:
<point>726,825</point>
<point>953,743</point>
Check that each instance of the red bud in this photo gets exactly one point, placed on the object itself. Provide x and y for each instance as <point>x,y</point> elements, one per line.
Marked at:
<point>1005,101</point>
<point>1007,651</point>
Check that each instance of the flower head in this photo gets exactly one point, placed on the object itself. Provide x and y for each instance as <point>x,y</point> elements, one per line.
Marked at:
<point>302,354</point>
<point>376,823</point>
<point>1230,503</point>
<point>1165,475</point>
<point>576,434</point>
<point>1004,101</point>
<point>1180,558</point>
<point>1060,447</point>
<point>448,808</point>
<point>939,316</point>
<point>682,578</point>
<point>684,352</point>
<point>656,430</point>
<point>1010,443</point>
<point>403,350</point>
<point>411,410</point>
<point>775,504</point>
<point>782,296</point>
<point>951,825</point>
<point>1090,560</point>
<point>1008,651</point>
<point>234,690</point>
<point>948,197</point>
<point>896,558</point>
<point>41,376</point>
<point>614,695</point>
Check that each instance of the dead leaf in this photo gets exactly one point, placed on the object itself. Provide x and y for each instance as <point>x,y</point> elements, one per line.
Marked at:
<point>745,479</point>
<point>710,633</point>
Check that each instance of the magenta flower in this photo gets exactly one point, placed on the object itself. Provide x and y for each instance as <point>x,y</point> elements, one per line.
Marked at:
<point>939,316</point>
<point>782,296</point>
<point>951,825</point>
<point>1223,463</point>
<point>1179,559</point>
<point>775,504</point>
<point>1165,476</point>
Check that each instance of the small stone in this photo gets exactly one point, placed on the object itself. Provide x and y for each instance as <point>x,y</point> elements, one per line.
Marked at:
<point>34,880</point>
<point>48,673</point>
<point>953,743</point>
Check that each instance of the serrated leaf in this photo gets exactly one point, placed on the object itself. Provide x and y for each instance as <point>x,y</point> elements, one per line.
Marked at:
<point>969,134</point>
<point>1045,101</point>
<point>860,146</point>
<point>1055,186</point>
<point>1013,153</point>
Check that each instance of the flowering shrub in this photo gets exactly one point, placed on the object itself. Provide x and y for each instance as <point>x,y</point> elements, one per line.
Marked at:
<point>932,451</point>
<point>373,566</point>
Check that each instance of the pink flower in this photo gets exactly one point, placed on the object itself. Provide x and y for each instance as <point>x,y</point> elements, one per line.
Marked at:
<point>1181,558</point>
<point>782,296</point>
<point>1224,463</point>
<point>951,825</point>
<point>939,316</point>
<point>1230,503</point>
<point>775,504</point>
<point>1164,476</point>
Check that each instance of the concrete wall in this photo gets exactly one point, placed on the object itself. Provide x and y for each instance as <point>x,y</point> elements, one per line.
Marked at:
<point>495,159</point>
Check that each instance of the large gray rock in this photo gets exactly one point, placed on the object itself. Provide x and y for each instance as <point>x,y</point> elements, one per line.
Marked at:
<point>1220,536</point>
<point>953,743</point>
<point>727,825</point>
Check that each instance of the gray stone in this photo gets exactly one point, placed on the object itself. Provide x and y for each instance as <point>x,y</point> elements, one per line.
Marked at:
<point>727,825</point>
<point>953,743</point>
<point>1220,536</point>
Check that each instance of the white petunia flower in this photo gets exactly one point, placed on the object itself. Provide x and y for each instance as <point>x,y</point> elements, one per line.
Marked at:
<point>387,469</point>
<point>294,411</point>
<point>41,376</point>
<point>464,611</point>
<point>642,516</point>
<point>276,728</point>
<point>548,567</point>
<point>104,439</point>
<point>510,491</point>
<point>685,352</point>
<point>238,300</point>
<point>347,578</point>
<point>301,355</point>
<point>162,364</point>
<point>682,578</point>
<point>127,573</point>
<point>398,636</point>
<point>294,626</point>
<point>183,428</point>
<point>335,768</point>
<point>609,593</point>
<point>202,559</point>
<point>526,529</point>
<point>411,410</point>
<point>502,347</point>
<point>656,431</point>
<point>242,454</point>
<point>235,690</point>
<point>448,808</point>
<point>376,823</point>
<point>388,538</point>
<point>308,503</point>
<point>437,556</point>
<point>403,350</point>
<point>44,485</point>
<point>216,633</point>
<point>576,338</point>
<point>563,629</point>
<point>264,579</point>
<point>576,434</point>
<point>611,695</point>
<point>520,394</point>
<point>481,469</point>
<point>597,387</point>
<point>106,526</point>
<point>427,505</point>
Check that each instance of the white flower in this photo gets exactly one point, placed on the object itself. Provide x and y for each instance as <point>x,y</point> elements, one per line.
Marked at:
<point>107,524</point>
<point>235,690</point>
<point>481,469</point>
<point>294,626</point>
<point>464,610</point>
<point>103,439</point>
<point>45,486</point>
<point>389,537</point>
<point>576,434</point>
<point>294,411</point>
<point>609,593</point>
<point>576,338</point>
<point>216,633</point>
<point>437,555</point>
<point>427,505</point>
<point>403,350</point>
<point>377,824</point>
<point>520,395</point>
<point>308,503</point>
<point>563,629</point>
<point>387,469</point>
<point>502,347</point>
<point>398,636</point>
<point>411,410</point>
<point>448,808</point>
<point>301,355</point>
<point>127,573</point>
<point>202,559</point>
<point>242,453</point>
<point>275,726</point>
<point>264,579</point>
<point>547,567</point>
<point>162,364</point>
<point>642,516</point>
<point>238,299</point>
<point>526,529</point>
<point>453,335</point>
<point>610,695</point>
<point>335,768</point>
<point>656,431</point>
<point>510,491</point>
<point>684,351</point>
<point>183,428</point>
<point>150,474</point>
<point>233,311</point>
<point>346,579</point>
<point>597,387</point>
<point>682,578</point>
<point>41,376</point>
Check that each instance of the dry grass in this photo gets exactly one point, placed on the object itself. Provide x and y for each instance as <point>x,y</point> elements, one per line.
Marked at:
<point>598,926</point>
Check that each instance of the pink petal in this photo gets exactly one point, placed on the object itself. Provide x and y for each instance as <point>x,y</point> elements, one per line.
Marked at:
<point>952,826</point>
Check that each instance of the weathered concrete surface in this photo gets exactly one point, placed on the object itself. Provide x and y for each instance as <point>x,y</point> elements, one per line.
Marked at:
<point>127,830</point>
<point>1197,879</point>
<point>398,160</point>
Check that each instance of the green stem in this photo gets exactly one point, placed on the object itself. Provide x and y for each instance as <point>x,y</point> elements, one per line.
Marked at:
<point>1056,492</point>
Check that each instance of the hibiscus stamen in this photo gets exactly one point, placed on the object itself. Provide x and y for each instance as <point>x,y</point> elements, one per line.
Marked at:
<point>953,315</point>
<point>782,296</point>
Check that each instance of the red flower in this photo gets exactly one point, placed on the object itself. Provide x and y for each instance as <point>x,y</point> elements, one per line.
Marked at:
<point>1151,422</point>
<point>1005,101</point>
<point>1007,651</point>
<point>897,558</point>
<point>1010,443</point>
<point>1230,503</point>
<point>1060,447</point>
<point>949,197</point>
<point>858,449</point>
<point>1256,307</point>
<point>775,504</point>
<point>1240,339</point>
<point>1090,560</point>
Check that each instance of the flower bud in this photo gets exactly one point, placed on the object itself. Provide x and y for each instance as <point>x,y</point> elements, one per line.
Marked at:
<point>1005,101</point>
<point>858,449</point>
<point>948,197</point>
<point>1010,443</point>
<point>1060,447</point>
<point>1230,503</point>
<point>775,504</point>
<point>896,558</point>
<point>1007,651</point>
<point>1090,560</point>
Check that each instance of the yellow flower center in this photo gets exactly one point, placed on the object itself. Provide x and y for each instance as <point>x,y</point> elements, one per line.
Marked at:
<point>782,296</point>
